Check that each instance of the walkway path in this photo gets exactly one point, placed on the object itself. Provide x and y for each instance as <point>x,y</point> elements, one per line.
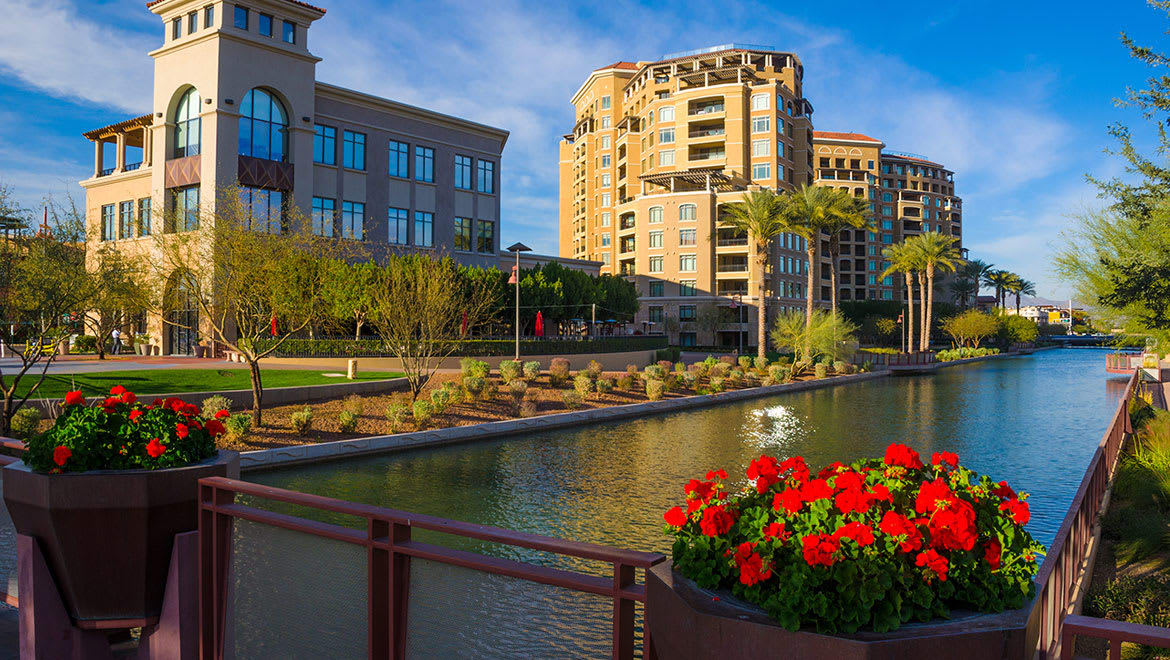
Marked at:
<point>79,364</point>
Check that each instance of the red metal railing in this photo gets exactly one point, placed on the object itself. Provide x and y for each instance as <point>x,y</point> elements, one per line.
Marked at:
<point>1115,632</point>
<point>1122,363</point>
<point>1061,574</point>
<point>914,359</point>
<point>389,549</point>
<point>18,447</point>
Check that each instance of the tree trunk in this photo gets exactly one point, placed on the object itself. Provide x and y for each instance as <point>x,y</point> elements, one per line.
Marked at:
<point>762,304</point>
<point>929,307</point>
<point>357,334</point>
<point>909,311</point>
<point>811,253</point>
<point>834,253</point>
<point>257,389</point>
<point>922,311</point>
<point>6,418</point>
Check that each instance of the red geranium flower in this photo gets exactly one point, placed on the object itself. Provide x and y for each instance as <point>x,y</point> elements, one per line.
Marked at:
<point>861,533</point>
<point>74,398</point>
<point>751,565</point>
<point>117,390</point>
<point>818,549</point>
<point>947,457</point>
<point>765,471</point>
<point>157,403</point>
<point>789,500</point>
<point>155,448</point>
<point>675,517</point>
<point>831,469</point>
<point>953,527</point>
<point>181,430</point>
<point>797,466</point>
<point>699,490</point>
<point>716,474</point>
<point>716,521</point>
<point>1004,490</point>
<point>852,500</point>
<point>222,415</point>
<point>1018,510</point>
<point>895,524</point>
<point>174,404</point>
<point>900,454</point>
<point>935,562</point>
<point>61,454</point>
<point>135,414</point>
<point>215,428</point>
<point>879,493</point>
<point>991,552</point>
<point>815,490</point>
<point>129,397</point>
<point>932,494</point>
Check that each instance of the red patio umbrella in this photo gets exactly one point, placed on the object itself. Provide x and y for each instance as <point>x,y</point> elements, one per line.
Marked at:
<point>273,326</point>
<point>539,324</point>
<point>463,325</point>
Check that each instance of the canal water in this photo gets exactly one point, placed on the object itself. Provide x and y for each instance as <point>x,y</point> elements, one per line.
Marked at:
<point>1032,420</point>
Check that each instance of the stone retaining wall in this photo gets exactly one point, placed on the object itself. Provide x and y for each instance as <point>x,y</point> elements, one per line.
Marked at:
<point>609,361</point>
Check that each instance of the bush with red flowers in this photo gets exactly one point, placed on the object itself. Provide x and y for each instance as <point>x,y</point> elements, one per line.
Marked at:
<point>870,545</point>
<point>122,433</point>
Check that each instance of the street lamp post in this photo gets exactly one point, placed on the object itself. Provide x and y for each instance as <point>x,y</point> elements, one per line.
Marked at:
<point>517,248</point>
<point>736,301</point>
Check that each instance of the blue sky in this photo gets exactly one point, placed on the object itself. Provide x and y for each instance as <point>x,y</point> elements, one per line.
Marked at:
<point>1015,97</point>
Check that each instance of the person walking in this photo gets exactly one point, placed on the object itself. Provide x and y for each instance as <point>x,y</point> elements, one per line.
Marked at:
<point>116,335</point>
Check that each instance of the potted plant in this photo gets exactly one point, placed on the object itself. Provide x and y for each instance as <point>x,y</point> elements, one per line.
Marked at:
<point>142,344</point>
<point>824,563</point>
<point>105,490</point>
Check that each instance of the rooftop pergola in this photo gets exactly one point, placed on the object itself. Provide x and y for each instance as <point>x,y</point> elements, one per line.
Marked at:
<point>727,74</point>
<point>134,132</point>
<point>713,178</point>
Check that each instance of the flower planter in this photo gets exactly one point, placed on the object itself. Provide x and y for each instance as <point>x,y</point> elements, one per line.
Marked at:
<point>200,351</point>
<point>107,534</point>
<point>688,622</point>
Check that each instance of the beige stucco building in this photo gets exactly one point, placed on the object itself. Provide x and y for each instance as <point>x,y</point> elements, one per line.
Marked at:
<point>656,148</point>
<point>236,100</point>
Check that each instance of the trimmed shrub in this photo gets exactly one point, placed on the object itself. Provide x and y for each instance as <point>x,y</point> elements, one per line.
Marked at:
<point>715,384</point>
<point>440,400</point>
<point>527,408</point>
<point>679,367</point>
<point>396,414</point>
<point>745,362</point>
<point>474,386</point>
<point>532,370</point>
<point>510,370</point>
<point>840,367</point>
<point>558,372</point>
<point>670,353</point>
<point>719,370</point>
<point>214,404</point>
<point>604,385</point>
<point>689,378</point>
<point>572,398</point>
<point>347,421</point>
<point>761,363</point>
<point>820,370</point>
<point>654,372</point>
<point>474,367</point>
<point>626,382</point>
<point>666,365</point>
<point>783,360</point>
<point>655,389</point>
<point>353,404</point>
<point>593,370</point>
<point>583,385</point>
<point>26,421</point>
<point>778,373</point>
<point>302,420</point>
<point>85,343</point>
<point>237,426</point>
<point>423,412</point>
<point>729,360</point>
<point>633,369</point>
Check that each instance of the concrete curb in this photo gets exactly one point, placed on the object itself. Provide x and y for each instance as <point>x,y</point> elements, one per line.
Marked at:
<point>284,456</point>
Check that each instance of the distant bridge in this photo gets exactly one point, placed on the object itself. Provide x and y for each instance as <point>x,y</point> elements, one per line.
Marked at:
<point>1083,340</point>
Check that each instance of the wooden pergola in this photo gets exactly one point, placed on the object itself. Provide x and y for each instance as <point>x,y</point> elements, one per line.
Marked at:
<point>710,179</point>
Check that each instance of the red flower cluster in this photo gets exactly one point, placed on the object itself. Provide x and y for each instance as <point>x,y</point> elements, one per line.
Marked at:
<point>74,398</point>
<point>818,549</point>
<point>155,448</point>
<point>61,454</point>
<point>901,455</point>
<point>1018,510</point>
<point>935,562</point>
<point>898,525</point>
<point>675,517</point>
<point>765,471</point>
<point>992,554</point>
<point>716,521</point>
<point>951,520</point>
<point>945,458</point>
<point>751,565</point>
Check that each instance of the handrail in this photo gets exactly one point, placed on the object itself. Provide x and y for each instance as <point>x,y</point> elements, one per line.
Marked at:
<point>389,548</point>
<point>1059,577</point>
<point>1115,632</point>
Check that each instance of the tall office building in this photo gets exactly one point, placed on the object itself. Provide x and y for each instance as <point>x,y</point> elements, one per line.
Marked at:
<point>656,149</point>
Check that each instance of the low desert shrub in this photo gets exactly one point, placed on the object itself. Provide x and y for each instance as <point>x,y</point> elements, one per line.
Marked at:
<point>626,383</point>
<point>440,400</point>
<point>510,370</point>
<point>347,421</point>
<point>26,422</point>
<point>666,365</point>
<point>761,363</point>
<point>679,367</point>
<point>237,426</point>
<point>715,383</point>
<point>583,385</point>
<point>719,370</point>
<point>604,385</point>
<point>423,412</point>
<point>301,420</point>
<point>821,370</point>
<point>558,372</point>
<point>840,367</point>
<point>214,404</point>
<point>729,360</point>
<point>689,378</point>
<point>532,370</point>
<point>745,361</point>
<point>572,398</point>
<point>395,415</point>
<point>474,386</point>
<point>633,369</point>
<point>778,373</point>
<point>654,372</point>
<point>527,408</point>
<point>474,368</point>
<point>655,389</point>
<point>593,370</point>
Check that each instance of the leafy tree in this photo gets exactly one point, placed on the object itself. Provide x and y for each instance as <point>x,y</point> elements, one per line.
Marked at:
<point>1021,287</point>
<point>708,318</point>
<point>348,291</point>
<point>971,327</point>
<point>254,289</point>
<point>120,292</point>
<point>1017,329</point>
<point>999,280</point>
<point>827,337</point>
<point>934,251</point>
<point>759,217</point>
<point>969,277</point>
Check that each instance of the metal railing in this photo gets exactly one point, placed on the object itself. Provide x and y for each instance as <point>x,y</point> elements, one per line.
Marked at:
<point>729,242</point>
<point>389,550</point>
<point>709,109</point>
<point>1114,632</point>
<point>1061,575</point>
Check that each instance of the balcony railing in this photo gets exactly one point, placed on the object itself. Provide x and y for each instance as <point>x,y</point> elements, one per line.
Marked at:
<point>626,223</point>
<point>709,155</point>
<point>708,109</point>
<point>731,268</point>
<point>130,167</point>
<point>707,132</point>
<point>106,172</point>
<point>729,242</point>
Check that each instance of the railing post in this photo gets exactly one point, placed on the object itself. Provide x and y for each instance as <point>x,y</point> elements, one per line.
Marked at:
<point>623,613</point>
<point>214,546</point>
<point>388,589</point>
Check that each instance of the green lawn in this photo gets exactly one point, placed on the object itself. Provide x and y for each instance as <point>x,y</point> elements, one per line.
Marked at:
<point>171,381</point>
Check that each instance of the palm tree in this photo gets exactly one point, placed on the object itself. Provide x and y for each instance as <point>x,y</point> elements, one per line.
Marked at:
<point>970,275</point>
<point>806,213</point>
<point>935,251</point>
<point>1022,287</point>
<point>901,261</point>
<point>851,213</point>
<point>998,280</point>
<point>759,217</point>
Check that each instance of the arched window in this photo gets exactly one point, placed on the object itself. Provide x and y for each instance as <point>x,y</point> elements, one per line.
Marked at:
<point>263,126</point>
<point>687,212</point>
<point>187,129</point>
<point>655,215</point>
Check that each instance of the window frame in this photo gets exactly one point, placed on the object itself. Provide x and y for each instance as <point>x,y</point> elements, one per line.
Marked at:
<point>353,149</point>
<point>397,219</point>
<point>260,19</point>
<point>321,154</point>
<point>424,164</point>
<point>398,154</point>
<point>355,216</point>
<point>485,241</point>
<point>488,168</point>
<point>424,229</point>
<point>288,32</point>
<point>318,217</point>
<point>241,15</point>
<point>463,169</point>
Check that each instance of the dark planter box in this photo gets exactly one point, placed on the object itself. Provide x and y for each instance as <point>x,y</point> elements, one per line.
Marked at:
<point>687,622</point>
<point>107,535</point>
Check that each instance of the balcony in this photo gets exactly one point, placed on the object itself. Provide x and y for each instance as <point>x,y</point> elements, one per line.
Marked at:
<point>626,222</point>
<point>701,109</point>
<point>707,154</point>
<point>628,245</point>
<point>740,241</point>
<point>732,289</point>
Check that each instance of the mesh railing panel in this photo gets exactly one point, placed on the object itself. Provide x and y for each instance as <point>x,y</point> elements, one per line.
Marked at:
<point>7,548</point>
<point>456,612</point>
<point>294,595</point>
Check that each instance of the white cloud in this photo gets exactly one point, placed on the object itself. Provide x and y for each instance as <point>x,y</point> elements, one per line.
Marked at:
<point>53,47</point>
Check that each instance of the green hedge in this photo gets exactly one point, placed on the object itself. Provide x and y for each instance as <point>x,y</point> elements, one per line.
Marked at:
<point>348,348</point>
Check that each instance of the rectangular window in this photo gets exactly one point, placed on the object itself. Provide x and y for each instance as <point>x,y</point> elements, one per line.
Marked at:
<point>759,102</point>
<point>324,210</point>
<point>208,16</point>
<point>353,220</point>
<point>486,176</point>
<point>657,289</point>
<point>606,180</point>
<point>688,263</point>
<point>666,158</point>
<point>264,25</point>
<point>887,238</point>
<point>424,164</point>
<point>605,258</point>
<point>604,142</point>
<point>605,103</point>
<point>606,199</point>
<point>353,150</point>
<point>666,135</point>
<point>605,123</point>
<point>185,208</point>
<point>687,287</point>
<point>265,209</point>
<point>193,22</point>
<point>686,312</point>
<point>666,114</point>
<point>655,214</point>
<point>424,229</point>
<point>655,239</point>
<point>761,170</point>
<point>888,225</point>
<point>240,18</point>
<point>485,236</point>
<point>887,210</point>
<point>463,234</point>
<point>605,161</point>
<point>687,338</point>
<point>686,212</point>
<point>125,220</point>
<point>605,239</point>
<point>399,159</point>
<point>109,222</point>
<point>761,147</point>
<point>654,314</point>
<point>761,124</point>
<point>289,32</point>
<point>606,218</point>
<point>176,28</point>
<point>325,145</point>
<point>144,216</point>
<point>463,172</point>
<point>397,221</point>
<point>686,237</point>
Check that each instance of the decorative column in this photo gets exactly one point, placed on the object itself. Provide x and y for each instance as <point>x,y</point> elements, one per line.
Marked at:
<point>97,157</point>
<point>120,153</point>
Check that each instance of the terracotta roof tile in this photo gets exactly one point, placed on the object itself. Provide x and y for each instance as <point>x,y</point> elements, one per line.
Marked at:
<point>295,2</point>
<point>619,65</point>
<point>831,135</point>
